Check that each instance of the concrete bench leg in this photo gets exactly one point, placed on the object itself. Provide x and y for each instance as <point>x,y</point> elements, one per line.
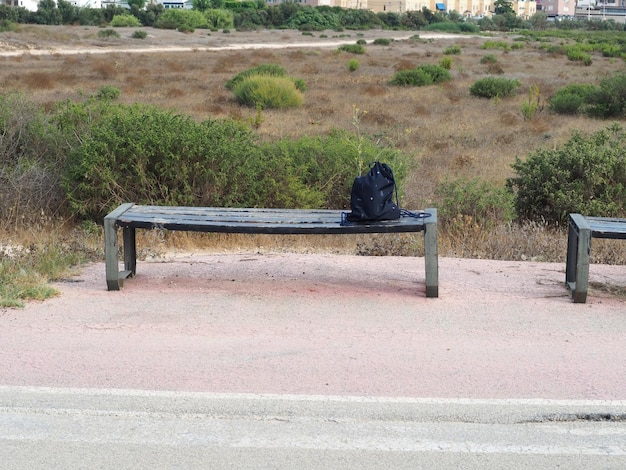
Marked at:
<point>114,276</point>
<point>578,251</point>
<point>431,251</point>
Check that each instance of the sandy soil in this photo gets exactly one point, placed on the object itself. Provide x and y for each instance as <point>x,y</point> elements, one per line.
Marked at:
<point>325,324</point>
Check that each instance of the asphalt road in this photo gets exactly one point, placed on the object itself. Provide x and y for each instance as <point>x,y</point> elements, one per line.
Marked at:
<point>47,428</point>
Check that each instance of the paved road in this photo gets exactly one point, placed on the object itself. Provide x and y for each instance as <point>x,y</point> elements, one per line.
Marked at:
<point>288,361</point>
<point>51,428</point>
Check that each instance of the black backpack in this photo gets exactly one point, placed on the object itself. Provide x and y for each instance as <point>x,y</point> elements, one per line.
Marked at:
<point>372,196</point>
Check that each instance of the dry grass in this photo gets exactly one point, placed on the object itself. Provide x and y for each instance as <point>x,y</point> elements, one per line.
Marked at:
<point>449,133</point>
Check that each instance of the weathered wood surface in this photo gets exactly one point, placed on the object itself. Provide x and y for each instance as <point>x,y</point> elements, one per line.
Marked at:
<point>606,227</point>
<point>580,232</point>
<point>265,221</point>
<point>130,217</point>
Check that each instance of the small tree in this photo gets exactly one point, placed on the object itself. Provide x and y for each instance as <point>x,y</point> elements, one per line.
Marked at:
<point>503,6</point>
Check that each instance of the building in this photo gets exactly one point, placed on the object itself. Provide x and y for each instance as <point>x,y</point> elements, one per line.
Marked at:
<point>526,8</point>
<point>557,7</point>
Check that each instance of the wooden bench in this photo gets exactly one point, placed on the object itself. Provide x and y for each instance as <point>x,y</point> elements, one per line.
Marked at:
<point>581,230</point>
<point>130,216</point>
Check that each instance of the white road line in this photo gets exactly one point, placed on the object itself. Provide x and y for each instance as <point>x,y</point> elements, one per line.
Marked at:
<point>540,402</point>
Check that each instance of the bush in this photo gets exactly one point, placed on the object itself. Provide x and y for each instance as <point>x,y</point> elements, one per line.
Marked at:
<point>484,203</point>
<point>586,175</point>
<point>571,99</point>
<point>32,155</point>
<point>445,62</point>
<point>272,70</point>
<point>353,65</point>
<point>494,87</point>
<point>265,91</point>
<point>173,18</point>
<point>361,42</point>
<point>108,92</point>
<point>381,42</point>
<point>352,48</point>
<point>7,26</point>
<point>139,34</point>
<point>412,77</point>
<point>141,154</point>
<point>576,55</point>
<point>219,19</point>
<point>496,45</point>
<point>125,21</point>
<point>108,33</point>
<point>488,59</point>
<point>422,75</point>
<point>452,50</point>
<point>319,171</point>
<point>609,99</point>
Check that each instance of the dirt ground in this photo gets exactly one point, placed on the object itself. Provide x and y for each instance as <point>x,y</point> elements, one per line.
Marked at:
<point>37,39</point>
<point>325,324</point>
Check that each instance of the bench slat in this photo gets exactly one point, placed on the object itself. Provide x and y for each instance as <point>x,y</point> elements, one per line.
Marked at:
<point>605,227</point>
<point>265,221</point>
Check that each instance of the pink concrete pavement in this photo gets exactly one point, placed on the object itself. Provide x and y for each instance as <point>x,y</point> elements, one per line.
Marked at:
<point>325,324</point>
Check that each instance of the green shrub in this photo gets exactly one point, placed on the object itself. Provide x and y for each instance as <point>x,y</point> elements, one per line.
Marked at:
<point>576,55</point>
<point>352,48</point>
<point>609,99</point>
<point>263,69</point>
<point>422,75</point>
<point>412,77</point>
<point>488,59</point>
<point>452,50</point>
<point>533,104</point>
<point>108,33</point>
<point>174,18</point>
<point>586,175</point>
<point>496,45</point>
<point>361,42</point>
<point>7,26</point>
<point>494,87</point>
<point>353,65</point>
<point>125,21</point>
<point>268,92</point>
<point>218,18</point>
<point>139,34</point>
<point>571,99</point>
<point>142,154</point>
<point>319,171</point>
<point>381,42</point>
<point>486,204</point>
<point>445,62</point>
<point>108,92</point>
